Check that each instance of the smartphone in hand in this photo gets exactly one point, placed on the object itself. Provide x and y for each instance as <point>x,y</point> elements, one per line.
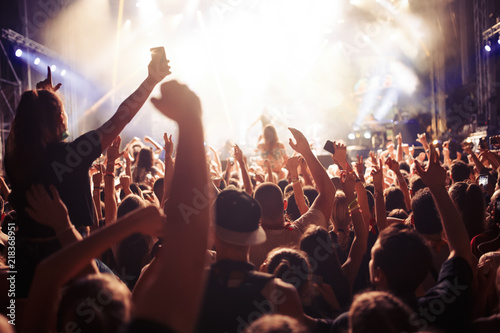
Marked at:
<point>158,54</point>
<point>329,147</point>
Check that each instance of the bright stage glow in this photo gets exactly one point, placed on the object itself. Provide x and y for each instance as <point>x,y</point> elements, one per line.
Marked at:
<point>63,72</point>
<point>351,136</point>
<point>367,135</point>
<point>53,68</point>
<point>19,53</point>
<point>36,61</point>
<point>244,58</point>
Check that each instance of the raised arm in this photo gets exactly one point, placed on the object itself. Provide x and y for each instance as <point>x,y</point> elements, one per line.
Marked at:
<point>55,271</point>
<point>340,156</point>
<point>169,167</point>
<point>435,178</point>
<point>399,149</point>
<point>155,144</point>
<point>394,166</point>
<point>291,165</point>
<point>422,138</point>
<point>304,171</point>
<point>110,203</point>
<point>96,193</point>
<point>325,187</point>
<point>5,190</point>
<point>172,297</point>
<point>157,71</point>
<point>475,159</point>
<point>359,245</point>
<point>378,180</point>
<point>247,182</point>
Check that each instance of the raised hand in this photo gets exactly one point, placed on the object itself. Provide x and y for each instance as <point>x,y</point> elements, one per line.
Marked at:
<point>340,156</point>
<point>125,182</point>
<point>301,144</point>
<point>422,138</point>
<point>113,152</point>
<point>47,83</point>
<point>373,158</point>
<point>348,180</point>
<point>178,102</point>
<point>435,175</point>
<point>169,144</point>
<point>359,166</point>
<point>238,154</point>
<point>399,137</point>
<point>97,179</point>
<point>158,69</point>
<point>378,177</point>
<point>47,210</point>
<point>392,164</point>
<point>292,164</point>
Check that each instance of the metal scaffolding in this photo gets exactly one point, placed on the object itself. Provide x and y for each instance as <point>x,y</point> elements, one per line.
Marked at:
<point>482,70</point>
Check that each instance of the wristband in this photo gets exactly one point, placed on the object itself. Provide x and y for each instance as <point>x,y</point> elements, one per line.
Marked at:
<point>295,179</point>
<point>110,174</point>
<point>353,208</point>
<point>354,201</point>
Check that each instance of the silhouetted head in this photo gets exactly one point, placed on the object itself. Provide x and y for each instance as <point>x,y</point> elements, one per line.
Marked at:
<point>400,260</point>
<point>95,303</point>
<point>270,198</point>
<point>378,311</point>
<point>469,200</point>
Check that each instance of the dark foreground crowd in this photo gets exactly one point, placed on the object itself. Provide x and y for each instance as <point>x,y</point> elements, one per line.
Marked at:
<point>129,242</point>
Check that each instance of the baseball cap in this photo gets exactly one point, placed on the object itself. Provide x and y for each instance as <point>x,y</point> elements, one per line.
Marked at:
<point>237,218</point>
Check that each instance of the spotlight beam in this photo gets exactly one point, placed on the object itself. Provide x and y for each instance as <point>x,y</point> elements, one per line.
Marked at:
<point>201,22</point>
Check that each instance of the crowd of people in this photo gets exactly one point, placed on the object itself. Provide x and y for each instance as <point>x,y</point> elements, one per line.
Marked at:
<point>394,242</point>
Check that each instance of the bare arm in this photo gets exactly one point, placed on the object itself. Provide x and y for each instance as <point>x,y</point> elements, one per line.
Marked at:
<point>155,144</point>
<point>247,182</point>
<point>169,168</point>
<point>110,204</point>
<point>187,227</point>
<point>96,193</point>
<point>269,170</point>
<point>291,165</point>
<point>359,245</point>
<point>380,213</point>
<point>304,171</point>
<point>435,178</point>
<point>326,189</point>
<point>394,166</point>
<point>53,272</point>
<point>399,148</point>
<point>4,189</point>
<point>130,106</point>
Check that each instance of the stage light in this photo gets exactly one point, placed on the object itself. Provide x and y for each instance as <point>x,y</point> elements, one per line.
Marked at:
<point>19,53</point>
<point>351,136</point>
<point>367,135</point>
<point>487,47</point>
<point>53,68</point>
<point>36,61</point>
<point>63,72</point>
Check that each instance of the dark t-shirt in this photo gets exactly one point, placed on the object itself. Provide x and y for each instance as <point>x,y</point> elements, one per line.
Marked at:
<point>66,167</point>
<point>446,306</point>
